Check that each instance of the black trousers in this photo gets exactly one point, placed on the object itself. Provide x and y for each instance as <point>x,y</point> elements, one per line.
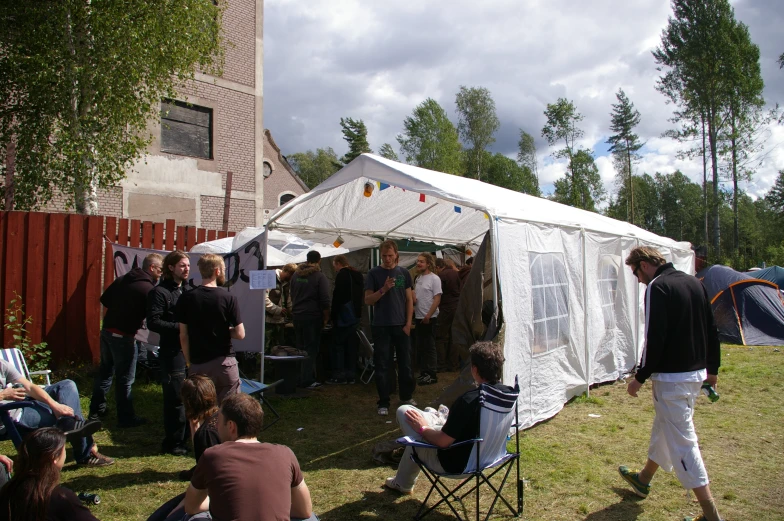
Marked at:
<point>175,425</point>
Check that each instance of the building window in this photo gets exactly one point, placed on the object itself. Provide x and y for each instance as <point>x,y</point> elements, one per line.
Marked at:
<point>608,287</point>
<point>267,169</point>
<point>286,198</point>
<point>186,129</point>
<point>550,288</point>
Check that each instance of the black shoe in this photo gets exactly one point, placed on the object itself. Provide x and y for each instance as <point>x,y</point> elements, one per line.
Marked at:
<point>74,429</point>
<point>97,415</point>
<point>179,450</point>
<point>136,421</point>
<point>427,379</point>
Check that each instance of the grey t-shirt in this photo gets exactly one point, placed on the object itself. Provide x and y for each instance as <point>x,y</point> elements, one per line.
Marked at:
<point>390,310</point>
<point>9,375</point>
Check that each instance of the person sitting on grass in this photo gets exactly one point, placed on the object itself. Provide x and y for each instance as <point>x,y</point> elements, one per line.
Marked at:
<point>244,479</point>
<point>462,424</point>
<point>34,492</point>
<point>201,410</point>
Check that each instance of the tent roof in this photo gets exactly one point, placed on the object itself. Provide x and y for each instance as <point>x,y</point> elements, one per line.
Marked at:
<point>412,202</point>
<point>773,273</point>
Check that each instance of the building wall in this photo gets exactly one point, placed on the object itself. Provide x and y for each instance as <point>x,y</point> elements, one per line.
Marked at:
<point>110,202</point>
<point>282,180</point>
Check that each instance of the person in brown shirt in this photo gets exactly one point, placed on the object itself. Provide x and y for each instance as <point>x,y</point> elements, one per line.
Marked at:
<point>244,479</point>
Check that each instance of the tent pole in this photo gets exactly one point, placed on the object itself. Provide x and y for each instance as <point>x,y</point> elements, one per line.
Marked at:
<point>587,346</point>
<point>637,319</point>
<point>263,322</point>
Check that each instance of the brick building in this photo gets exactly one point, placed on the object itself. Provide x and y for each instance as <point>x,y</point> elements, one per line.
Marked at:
<point>213,127</point>
<point>281,182</point>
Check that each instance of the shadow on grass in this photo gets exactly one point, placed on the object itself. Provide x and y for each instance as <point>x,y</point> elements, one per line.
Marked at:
<point>627,509</point>
<point>118,481</point>
<point>384,504</point>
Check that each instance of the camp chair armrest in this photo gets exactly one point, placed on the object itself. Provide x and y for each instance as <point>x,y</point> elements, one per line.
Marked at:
<point>409,441</point>
<point>466,442</point>
<point>45,371</point>
<point>10,406</point>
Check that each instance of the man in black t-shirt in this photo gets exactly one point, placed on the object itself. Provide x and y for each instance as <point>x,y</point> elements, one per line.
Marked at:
<point>462,423</point>
<point>388,290</point>
<point>209,318</point>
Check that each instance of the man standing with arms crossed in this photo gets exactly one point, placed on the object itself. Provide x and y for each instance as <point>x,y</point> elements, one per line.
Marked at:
<point>209,318</point>
<point>125,301</point>
<point>681,342</point>
<point>161,303</point>
<point>388,290</point>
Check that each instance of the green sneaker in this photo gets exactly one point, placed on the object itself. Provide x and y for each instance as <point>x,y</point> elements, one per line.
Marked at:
<point>640,488</point>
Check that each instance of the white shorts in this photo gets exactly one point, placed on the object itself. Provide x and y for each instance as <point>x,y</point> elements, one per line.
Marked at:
<point>673,438</point>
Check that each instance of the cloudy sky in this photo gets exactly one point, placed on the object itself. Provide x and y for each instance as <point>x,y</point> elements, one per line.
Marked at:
<point>377,59</point>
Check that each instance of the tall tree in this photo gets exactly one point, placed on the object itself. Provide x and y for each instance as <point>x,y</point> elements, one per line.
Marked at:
<point>775,197</point>
<point>430,140</point>
<point>625,143</point>
<point>80,82</point>
<point>355,134</point>
<point>477,123</point>
<point>694,45</point>
<point>562,119</point>
<point>388,152</point>
<point>526,154</point>
<point>583,189</point>
<point>315,167</point>
<point>505,172</point>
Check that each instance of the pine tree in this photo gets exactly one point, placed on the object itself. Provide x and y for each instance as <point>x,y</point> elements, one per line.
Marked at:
<point>355,134</point>
<point>625,143</point>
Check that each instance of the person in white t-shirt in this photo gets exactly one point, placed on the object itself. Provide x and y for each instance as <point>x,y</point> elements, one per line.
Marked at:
<point>427,297</point>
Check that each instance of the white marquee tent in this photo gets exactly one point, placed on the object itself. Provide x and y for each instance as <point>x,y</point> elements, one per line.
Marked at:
<point>572,309</point>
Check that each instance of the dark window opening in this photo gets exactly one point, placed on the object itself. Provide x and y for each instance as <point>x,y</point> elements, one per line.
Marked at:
<point>186,129</point>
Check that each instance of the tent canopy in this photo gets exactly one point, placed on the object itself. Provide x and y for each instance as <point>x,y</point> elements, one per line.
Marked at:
<point>408,202</point>
<point>774,274</point>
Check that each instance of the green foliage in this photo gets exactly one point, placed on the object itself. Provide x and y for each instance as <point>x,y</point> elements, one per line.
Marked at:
<point>505,172</point>
<point>624,144</point>
<point>477,124</point>
<point>430,140</point>
<point>526,154</point>
<point>82,80</point>
<point>388,152</point>
<point>37,355</point>
<point>315,167</point>
<point>583,188</point>
<point>775,197</point>
<point>562,119</point>
<point>355,134</point>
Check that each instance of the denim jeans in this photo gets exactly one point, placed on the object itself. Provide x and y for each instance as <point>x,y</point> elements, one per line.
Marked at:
<point>118,358</point>
<point>385,339</point>
<point>308,338</point>
<point>425,338</point>
<point>40,415</point>
<point>343,354</point>
<point>174,424</point>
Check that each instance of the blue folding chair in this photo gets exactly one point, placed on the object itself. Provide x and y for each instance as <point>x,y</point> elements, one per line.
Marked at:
<point>10,427</point>
<point>15,358</point>
<point>489,456</point>
<point>257,389</point>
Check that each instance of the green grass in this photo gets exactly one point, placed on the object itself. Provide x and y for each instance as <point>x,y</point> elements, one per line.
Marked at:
<point>569,462</point>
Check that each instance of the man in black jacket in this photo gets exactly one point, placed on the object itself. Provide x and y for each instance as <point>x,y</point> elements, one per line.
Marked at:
<point>345,315</point>
<point>681,351</point>
<point>310,310</point>
<point>161,302</point>
<point>125,301</point>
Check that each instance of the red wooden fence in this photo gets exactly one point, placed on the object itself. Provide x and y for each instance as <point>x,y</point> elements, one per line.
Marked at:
<point>59,264</point>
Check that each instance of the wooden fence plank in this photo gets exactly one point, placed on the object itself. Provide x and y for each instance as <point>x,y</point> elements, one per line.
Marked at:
<point>157,236</point>
<point>211,235</point>
<point>232,234</point>
<point>75,339</point>
<point>135,234</point>
<point>191,237</point>
<point>222,234</point>
<point>180,238</point>
<point>108,263</point>
<point>201,235</point>
<point>92,285</point>
<point>33,278</point>
<point>13,264</point>
<point>147,234</point>
<point>122,234</point>
<point>2,259</point>
<point>56,256</point>
<point>170,234</point>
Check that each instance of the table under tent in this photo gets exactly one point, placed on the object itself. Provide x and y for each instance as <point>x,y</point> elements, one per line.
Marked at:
<point>572,311</point>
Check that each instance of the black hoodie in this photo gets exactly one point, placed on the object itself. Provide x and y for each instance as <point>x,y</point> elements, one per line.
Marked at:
<point>309,292</point>
<point>125,301</point>
<point>349,287</point>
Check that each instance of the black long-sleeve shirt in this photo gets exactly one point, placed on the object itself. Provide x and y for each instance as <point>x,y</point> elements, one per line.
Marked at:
<point>161,303</point>
<point>680,332</point>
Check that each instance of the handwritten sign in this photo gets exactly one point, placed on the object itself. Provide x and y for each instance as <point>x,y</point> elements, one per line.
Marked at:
<point>262,279</point>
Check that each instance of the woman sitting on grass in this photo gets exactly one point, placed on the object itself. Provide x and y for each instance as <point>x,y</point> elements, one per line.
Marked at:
<point>34,492</point>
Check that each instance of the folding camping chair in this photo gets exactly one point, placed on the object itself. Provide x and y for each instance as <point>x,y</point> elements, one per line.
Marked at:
<point>256,389</point>
<point>15,358</point>
<point>366,356</point>
<point>498,414</point>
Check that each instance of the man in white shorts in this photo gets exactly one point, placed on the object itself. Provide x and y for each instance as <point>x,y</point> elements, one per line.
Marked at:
<point>681,351</point>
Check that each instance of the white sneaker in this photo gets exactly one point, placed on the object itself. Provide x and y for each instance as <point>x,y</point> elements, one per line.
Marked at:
<point>391,483</point>
<point>314,385</point>
<point>383,411</point>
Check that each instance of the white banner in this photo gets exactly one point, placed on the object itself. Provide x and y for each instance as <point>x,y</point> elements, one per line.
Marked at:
<point>239,264</point>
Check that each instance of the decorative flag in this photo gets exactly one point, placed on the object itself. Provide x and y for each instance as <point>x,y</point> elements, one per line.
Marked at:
<point>458,209</point>
<point>486,217</point>
<point>383,186</point>
<point>421,198</point>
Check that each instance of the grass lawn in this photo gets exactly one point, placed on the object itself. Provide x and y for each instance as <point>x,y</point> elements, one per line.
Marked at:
<point>569,462</point>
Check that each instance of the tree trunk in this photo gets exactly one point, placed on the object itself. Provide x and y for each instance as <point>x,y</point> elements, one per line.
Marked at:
<point>631,182</point>
<point>715,169</point>
<point>733,143</point>
<point>705,181</point>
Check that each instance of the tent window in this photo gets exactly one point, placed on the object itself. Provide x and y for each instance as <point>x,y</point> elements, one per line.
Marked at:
<point>608,287</point>
<point>550,288</point>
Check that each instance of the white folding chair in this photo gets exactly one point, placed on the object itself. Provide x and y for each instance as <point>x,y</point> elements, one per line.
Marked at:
<point>489,454</point>
<point>15,358</point>
<point>366,358</point>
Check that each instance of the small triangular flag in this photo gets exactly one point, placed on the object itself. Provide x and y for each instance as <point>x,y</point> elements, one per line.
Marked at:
<point>383,186</point>
<point>458,209</point>
<point>421,198</point>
